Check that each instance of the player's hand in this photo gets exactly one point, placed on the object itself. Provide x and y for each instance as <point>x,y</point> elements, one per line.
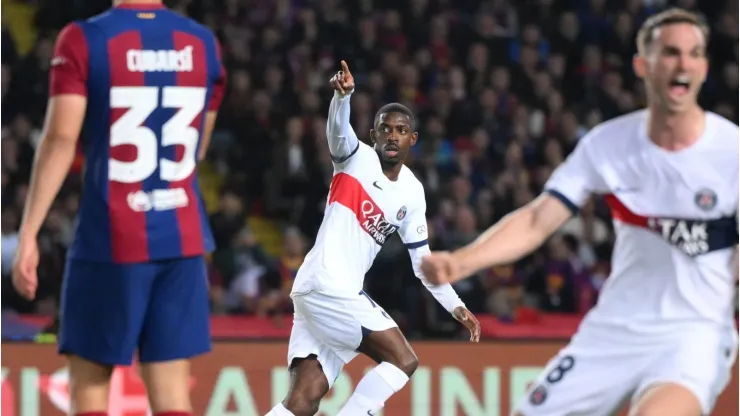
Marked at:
<point>439,268</point>
<point>25,264</point>
<point>343,81</point>
<point>467,318</point>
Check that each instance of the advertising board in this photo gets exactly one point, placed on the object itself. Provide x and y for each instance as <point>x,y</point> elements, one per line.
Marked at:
<point>246,378</point>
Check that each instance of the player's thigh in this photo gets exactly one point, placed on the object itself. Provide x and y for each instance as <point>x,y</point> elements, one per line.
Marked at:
<point>177,322</point>
<point>689,376</point>
<point>577,384</point>
<point>303,344</point>
<point>341,322</point>
<point>667,399</point>
<point>89,385</point>
<point>102,309</point>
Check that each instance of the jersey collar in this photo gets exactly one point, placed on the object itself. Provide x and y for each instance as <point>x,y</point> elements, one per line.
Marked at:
<point>141,6</point>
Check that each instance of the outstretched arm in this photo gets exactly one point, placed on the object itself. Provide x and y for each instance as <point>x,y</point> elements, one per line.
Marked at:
<point>515,236</point>
<point>343,142</point>
<point>525,229</point>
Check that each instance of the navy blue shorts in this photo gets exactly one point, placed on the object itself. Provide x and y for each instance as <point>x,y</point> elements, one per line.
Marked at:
<point>108,311</point>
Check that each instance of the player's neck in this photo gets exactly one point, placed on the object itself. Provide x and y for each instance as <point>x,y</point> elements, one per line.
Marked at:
<point>675,131</point>
<point>391,171</point>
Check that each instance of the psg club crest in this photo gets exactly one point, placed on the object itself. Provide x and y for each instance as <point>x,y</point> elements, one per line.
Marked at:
<point>401,213</point>
<point>538,395</point>
<point>706,199</point>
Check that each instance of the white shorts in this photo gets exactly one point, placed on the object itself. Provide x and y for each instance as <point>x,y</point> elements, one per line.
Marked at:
<point>332,327</point>
<point>595,376</point>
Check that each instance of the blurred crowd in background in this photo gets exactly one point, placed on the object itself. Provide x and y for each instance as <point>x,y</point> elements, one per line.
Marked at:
<point>502,89</point>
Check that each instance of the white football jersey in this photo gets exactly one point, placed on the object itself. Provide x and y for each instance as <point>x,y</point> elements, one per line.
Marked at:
<point>675,217</point>
<point>363,210</point>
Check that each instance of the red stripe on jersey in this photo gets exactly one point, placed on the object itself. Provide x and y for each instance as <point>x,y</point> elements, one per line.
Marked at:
<point>188,217</point>
<point>70,64</point>
<point>128,227</point>
<point>348,191</point>
<point>621,213</point>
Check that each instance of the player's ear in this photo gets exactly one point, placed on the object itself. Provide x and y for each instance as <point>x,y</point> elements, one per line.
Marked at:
<point>639,64</point>
<point>414,138</point>
<point>373,133</point>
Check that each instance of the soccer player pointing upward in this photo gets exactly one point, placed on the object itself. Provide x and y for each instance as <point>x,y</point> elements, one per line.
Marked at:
<point>372,196</point>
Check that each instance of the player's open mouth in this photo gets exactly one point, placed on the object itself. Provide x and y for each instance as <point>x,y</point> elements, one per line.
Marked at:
<point>679,86</point>
<point>391,150</point>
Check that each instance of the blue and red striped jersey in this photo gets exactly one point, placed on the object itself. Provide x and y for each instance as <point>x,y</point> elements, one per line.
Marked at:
<point>150,75</point>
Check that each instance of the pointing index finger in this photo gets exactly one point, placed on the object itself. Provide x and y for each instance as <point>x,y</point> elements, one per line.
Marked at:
<point>345,68</point>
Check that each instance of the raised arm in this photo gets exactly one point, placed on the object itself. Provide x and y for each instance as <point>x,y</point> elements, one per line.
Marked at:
<point>343,142</point>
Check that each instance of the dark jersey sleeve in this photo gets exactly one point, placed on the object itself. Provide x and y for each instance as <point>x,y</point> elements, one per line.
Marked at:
<point>220,85</point>
<point>69,65</point>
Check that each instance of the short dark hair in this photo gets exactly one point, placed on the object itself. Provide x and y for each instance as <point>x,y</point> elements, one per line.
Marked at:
<point>396,108</point>
<point>646,34</point>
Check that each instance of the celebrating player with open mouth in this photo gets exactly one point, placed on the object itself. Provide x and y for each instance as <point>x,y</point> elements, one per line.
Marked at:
<point>662,333</point>
<point>372,196</point>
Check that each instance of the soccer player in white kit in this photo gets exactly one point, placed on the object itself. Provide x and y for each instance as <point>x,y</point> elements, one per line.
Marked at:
<point>372,196</point>
<point>662,333</point>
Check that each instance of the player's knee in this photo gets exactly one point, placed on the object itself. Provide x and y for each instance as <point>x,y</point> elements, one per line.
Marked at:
<point>302,405</point>
<point>408,363</point>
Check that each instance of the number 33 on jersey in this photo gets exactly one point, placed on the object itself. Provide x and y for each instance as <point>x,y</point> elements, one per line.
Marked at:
<point>147,99</point>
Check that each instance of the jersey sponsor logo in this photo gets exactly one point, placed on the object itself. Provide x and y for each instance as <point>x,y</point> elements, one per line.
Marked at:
<point>57,60</point>
<point>158,200</point>
<point>374,223</point>
<point>348,191</point>
<point>421,229</point>
<point>147,60</point>
<point>692,237</point>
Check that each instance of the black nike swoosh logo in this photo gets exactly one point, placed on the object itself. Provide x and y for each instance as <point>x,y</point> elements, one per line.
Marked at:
<point>375,184</point>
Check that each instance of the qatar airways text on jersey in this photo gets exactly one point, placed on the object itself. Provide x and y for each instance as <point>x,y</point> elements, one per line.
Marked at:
<point>149,78</point>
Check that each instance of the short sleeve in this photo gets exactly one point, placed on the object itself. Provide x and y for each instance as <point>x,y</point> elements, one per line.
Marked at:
<point>219,86</point>
<point>69,64</point>
<point>577,178</point>
<point>413,231</point>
